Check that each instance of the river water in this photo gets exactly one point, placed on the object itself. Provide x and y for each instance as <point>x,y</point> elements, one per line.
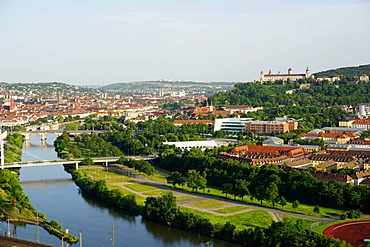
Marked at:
<point>52,192</point>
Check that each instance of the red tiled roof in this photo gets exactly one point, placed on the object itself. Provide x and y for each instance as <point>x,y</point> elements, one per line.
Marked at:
<point>192,121</point>
<point>361,121</point>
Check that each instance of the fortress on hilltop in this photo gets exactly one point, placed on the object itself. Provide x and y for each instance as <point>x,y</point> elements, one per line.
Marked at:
<point>284,77</point>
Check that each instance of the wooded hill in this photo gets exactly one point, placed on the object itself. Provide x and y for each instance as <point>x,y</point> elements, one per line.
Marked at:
<point>346,71</point>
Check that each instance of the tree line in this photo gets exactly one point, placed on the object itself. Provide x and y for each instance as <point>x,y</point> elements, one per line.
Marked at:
<point>164,210</point>
<point>269,182</point>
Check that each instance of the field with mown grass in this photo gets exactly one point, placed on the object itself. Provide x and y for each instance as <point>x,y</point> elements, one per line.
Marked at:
<point>231,209</point>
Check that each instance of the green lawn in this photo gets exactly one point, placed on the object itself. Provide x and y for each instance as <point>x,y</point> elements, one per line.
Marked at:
<point>141,187</point>
<point>302,209</point>
<point>241,221</point>
<point>207,203</point>
<point>156,193</point>
<point>306,224</point>
<point>111,176</point>
<point>231,209</point>
<point>183,198</point>
<point>140,200</point>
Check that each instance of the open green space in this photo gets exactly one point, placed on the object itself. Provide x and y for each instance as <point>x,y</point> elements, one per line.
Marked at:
<point>304,223</point>
<point>110,175</point>
<point>231,209</point>
<point>207,203</point>
<point>301,209</point>
<point>183,198</point>
<point>140,200</point>
<point>141,187</point>
<point>242,221</point>
<point>156,193</point>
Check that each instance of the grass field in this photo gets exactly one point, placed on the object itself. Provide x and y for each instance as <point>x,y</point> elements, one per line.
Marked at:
<point>156,193</point>
<point>231,209</point>
<point>241,221</point>
<point>183,198</point>
<point>140,200</point>
<point>302,209</point>
<point>141,187</point>
<point>207,203</point>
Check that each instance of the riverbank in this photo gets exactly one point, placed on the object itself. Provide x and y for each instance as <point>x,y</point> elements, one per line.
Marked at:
<point>221,226</point>
<point>15,205</point>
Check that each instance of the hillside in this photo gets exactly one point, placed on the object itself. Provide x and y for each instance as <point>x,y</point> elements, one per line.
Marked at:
<point>188,86</point>
<point>164,84</point>
<point>346,71</point>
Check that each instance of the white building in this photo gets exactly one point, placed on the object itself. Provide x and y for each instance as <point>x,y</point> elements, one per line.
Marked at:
<point>231,124</point>
<point>193,144</point>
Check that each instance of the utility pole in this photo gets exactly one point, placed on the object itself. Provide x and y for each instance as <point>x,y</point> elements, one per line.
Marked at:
<point>80,234</point>
<point>112,235</point>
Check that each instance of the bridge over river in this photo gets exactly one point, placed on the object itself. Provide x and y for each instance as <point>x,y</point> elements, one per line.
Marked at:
<point>43,133</point>
<point>103,160</point>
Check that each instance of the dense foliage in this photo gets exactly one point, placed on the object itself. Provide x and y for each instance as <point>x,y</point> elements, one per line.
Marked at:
<point>164,210</point>
<point>100,190</point>
<point>347,71</point>
<point>320,94</point>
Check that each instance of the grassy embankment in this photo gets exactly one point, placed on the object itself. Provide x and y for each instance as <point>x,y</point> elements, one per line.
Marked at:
<point>241,220</point>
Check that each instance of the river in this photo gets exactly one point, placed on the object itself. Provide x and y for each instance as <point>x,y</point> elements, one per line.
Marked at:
<point>52,192</point>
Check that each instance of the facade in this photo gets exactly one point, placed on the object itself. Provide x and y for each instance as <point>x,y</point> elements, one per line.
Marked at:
<point>270,127</point>
<point>284,77</point>
<point>363,110</point>
<point>361,124</point>
<point>191,121</point>
<point>193,144</point>
<point>234,125</point>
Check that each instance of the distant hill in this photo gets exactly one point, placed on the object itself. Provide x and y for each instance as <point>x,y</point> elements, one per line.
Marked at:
<point>346,71</point>
<point>187,86</point>
<point>163,84</point>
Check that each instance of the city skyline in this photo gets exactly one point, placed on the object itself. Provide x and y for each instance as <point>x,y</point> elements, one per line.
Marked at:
<point>96,43</point>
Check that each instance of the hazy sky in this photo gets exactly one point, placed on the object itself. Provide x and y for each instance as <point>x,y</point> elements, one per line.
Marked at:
<point>102,42</point>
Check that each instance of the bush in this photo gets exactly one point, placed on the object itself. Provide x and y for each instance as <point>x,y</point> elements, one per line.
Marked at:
<point>343,216</point>
<point>295,204</point>
<point>316,209</point>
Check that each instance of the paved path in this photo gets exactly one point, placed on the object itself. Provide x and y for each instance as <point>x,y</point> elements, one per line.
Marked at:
<point>275,214</point>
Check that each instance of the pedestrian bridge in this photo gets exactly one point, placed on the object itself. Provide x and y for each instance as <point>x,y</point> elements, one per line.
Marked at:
<point>103,160</point>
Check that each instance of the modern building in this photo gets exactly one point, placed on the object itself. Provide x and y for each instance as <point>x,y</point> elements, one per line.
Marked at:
<point>187,145</point>
<point>234,125</point>
<point>284,77</point>
<point>270,127</point>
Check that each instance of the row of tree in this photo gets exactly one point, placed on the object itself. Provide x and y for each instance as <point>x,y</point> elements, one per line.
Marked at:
<point>164,210</point>
<point>269,182</point>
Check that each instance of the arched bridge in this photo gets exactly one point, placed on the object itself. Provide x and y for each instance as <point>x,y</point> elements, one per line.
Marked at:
<point>43,133</point>
<point>104,160</point>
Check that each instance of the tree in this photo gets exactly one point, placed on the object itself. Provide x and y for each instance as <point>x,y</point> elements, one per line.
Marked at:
<point>87,162</point>
<point>282,201</point>
<point>227,188</point>
<point>316,209</point>
<point>175,178</point>
<point>196,180</point>
<point>241,188</point>
<point>295,204</point>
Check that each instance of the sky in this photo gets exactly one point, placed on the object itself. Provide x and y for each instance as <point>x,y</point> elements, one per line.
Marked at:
<point>90,42</point>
